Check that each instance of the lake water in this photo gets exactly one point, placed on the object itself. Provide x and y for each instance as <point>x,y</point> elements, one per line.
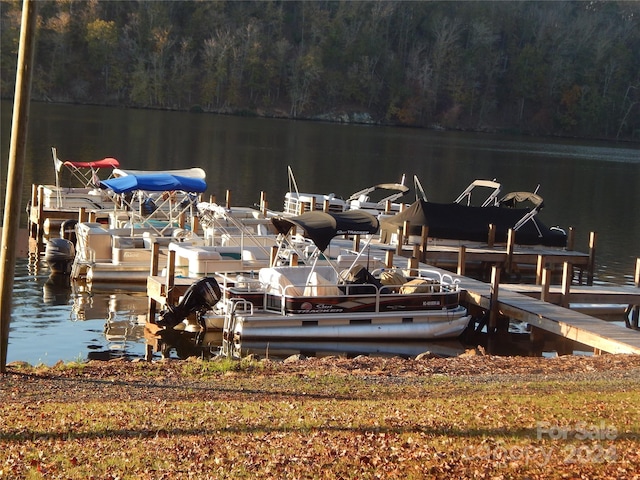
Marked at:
<point>589,185</point>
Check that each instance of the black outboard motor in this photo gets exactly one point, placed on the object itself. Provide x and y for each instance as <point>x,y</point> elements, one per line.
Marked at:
<point>59,255</point>
<point>199,298</point>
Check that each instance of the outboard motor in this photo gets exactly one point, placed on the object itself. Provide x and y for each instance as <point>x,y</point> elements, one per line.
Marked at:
<point>199,298</point>
<point>59,255</point>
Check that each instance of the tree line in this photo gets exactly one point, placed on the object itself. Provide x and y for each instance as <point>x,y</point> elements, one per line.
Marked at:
<point>567,68</point>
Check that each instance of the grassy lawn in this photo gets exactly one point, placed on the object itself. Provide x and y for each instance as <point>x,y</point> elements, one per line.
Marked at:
<point>369,418</point>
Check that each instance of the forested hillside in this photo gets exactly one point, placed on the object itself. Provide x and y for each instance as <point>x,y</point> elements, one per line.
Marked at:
<point>549,68</point>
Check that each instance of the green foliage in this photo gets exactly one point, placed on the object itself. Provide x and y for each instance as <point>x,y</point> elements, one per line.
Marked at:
<point>486,65</point>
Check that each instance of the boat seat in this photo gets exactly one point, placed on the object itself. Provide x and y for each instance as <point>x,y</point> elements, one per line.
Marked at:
<point>420,285</point>
<point>318,286</point>
<point>392,278</point>
<point>276,279</point>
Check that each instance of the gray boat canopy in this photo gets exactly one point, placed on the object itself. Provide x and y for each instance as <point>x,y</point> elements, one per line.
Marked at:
<point>321,227</point>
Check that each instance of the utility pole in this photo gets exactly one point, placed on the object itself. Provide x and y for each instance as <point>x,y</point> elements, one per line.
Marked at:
<point>15,174</point>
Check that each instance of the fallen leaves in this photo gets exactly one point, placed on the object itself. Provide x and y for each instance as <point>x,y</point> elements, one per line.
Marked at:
<point>472,417</point>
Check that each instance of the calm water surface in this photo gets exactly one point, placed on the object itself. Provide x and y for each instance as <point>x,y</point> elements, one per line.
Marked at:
<point>592,186</point>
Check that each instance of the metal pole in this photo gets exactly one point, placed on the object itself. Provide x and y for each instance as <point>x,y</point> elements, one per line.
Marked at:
<point>15,173</point>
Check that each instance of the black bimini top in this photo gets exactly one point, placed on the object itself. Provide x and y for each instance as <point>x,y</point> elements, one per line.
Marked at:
<point>321,227</point>
<point>461,222</point>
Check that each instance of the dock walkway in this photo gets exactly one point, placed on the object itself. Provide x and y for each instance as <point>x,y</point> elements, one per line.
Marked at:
<point>521,302</point>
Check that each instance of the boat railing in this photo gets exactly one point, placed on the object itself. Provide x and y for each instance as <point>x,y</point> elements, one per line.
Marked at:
<point>234,307</point>
<point>364,293</point>
<point>230,341</point>
<point>445,280</point>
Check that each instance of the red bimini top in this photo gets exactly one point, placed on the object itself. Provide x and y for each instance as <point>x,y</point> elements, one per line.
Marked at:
<point>104,163</point>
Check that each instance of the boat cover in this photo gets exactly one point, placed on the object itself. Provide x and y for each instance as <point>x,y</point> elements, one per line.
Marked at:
<point>321,227</point>
<point>108,162</point>
<point>156,182</point>
<point>513,199</point>
<point>194,172</point>
<point>454,221</point>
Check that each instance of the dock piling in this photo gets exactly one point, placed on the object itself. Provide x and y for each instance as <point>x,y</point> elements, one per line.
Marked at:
<point>424,240</point>
<point>153,271</point>
<point>493,301</point>
<point>462,262</point>
<point>566,285</point>
<point>592,257</point>
<point>491,239</point>
<point>511,238</point>
<point>571,238</point>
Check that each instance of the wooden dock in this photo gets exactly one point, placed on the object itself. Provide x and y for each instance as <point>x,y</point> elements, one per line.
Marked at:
<point>523,303</point>
<point>516,260</point>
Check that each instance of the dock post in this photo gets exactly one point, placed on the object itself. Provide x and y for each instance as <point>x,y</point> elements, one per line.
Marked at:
<point>592,257</point>
<point>412,265</point>
<point>566,285</point>
<point>265,208</point>
<point>82,215</point>
<point>424,240</point>
<point>416,252</point>
<point>325,206</point>
<point>387,206</point>
<point>571,239</point>
<point>171,270</point>
<point>195,223</point>
<point>491,240</point>
<point>34,203</point>
<point>273,255</point>
<point>228,199</point>
<point>462,261</point>
<point>262,199</point>
<point>493,301</point>
<point>400,242</point>
<point>546,283</point>
<point>40,213</point>
<point>153,271</point>
<point>539,268</point>
<point>635,310</point>
<point>152,304</point>
<point>511,238</point>
<point>406,227</point>
<point>356,243</point>
<point>388,258</point>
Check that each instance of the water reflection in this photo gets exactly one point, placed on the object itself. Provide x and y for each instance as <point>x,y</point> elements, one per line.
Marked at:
<point>185,344</point>
<point>57,290</point>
